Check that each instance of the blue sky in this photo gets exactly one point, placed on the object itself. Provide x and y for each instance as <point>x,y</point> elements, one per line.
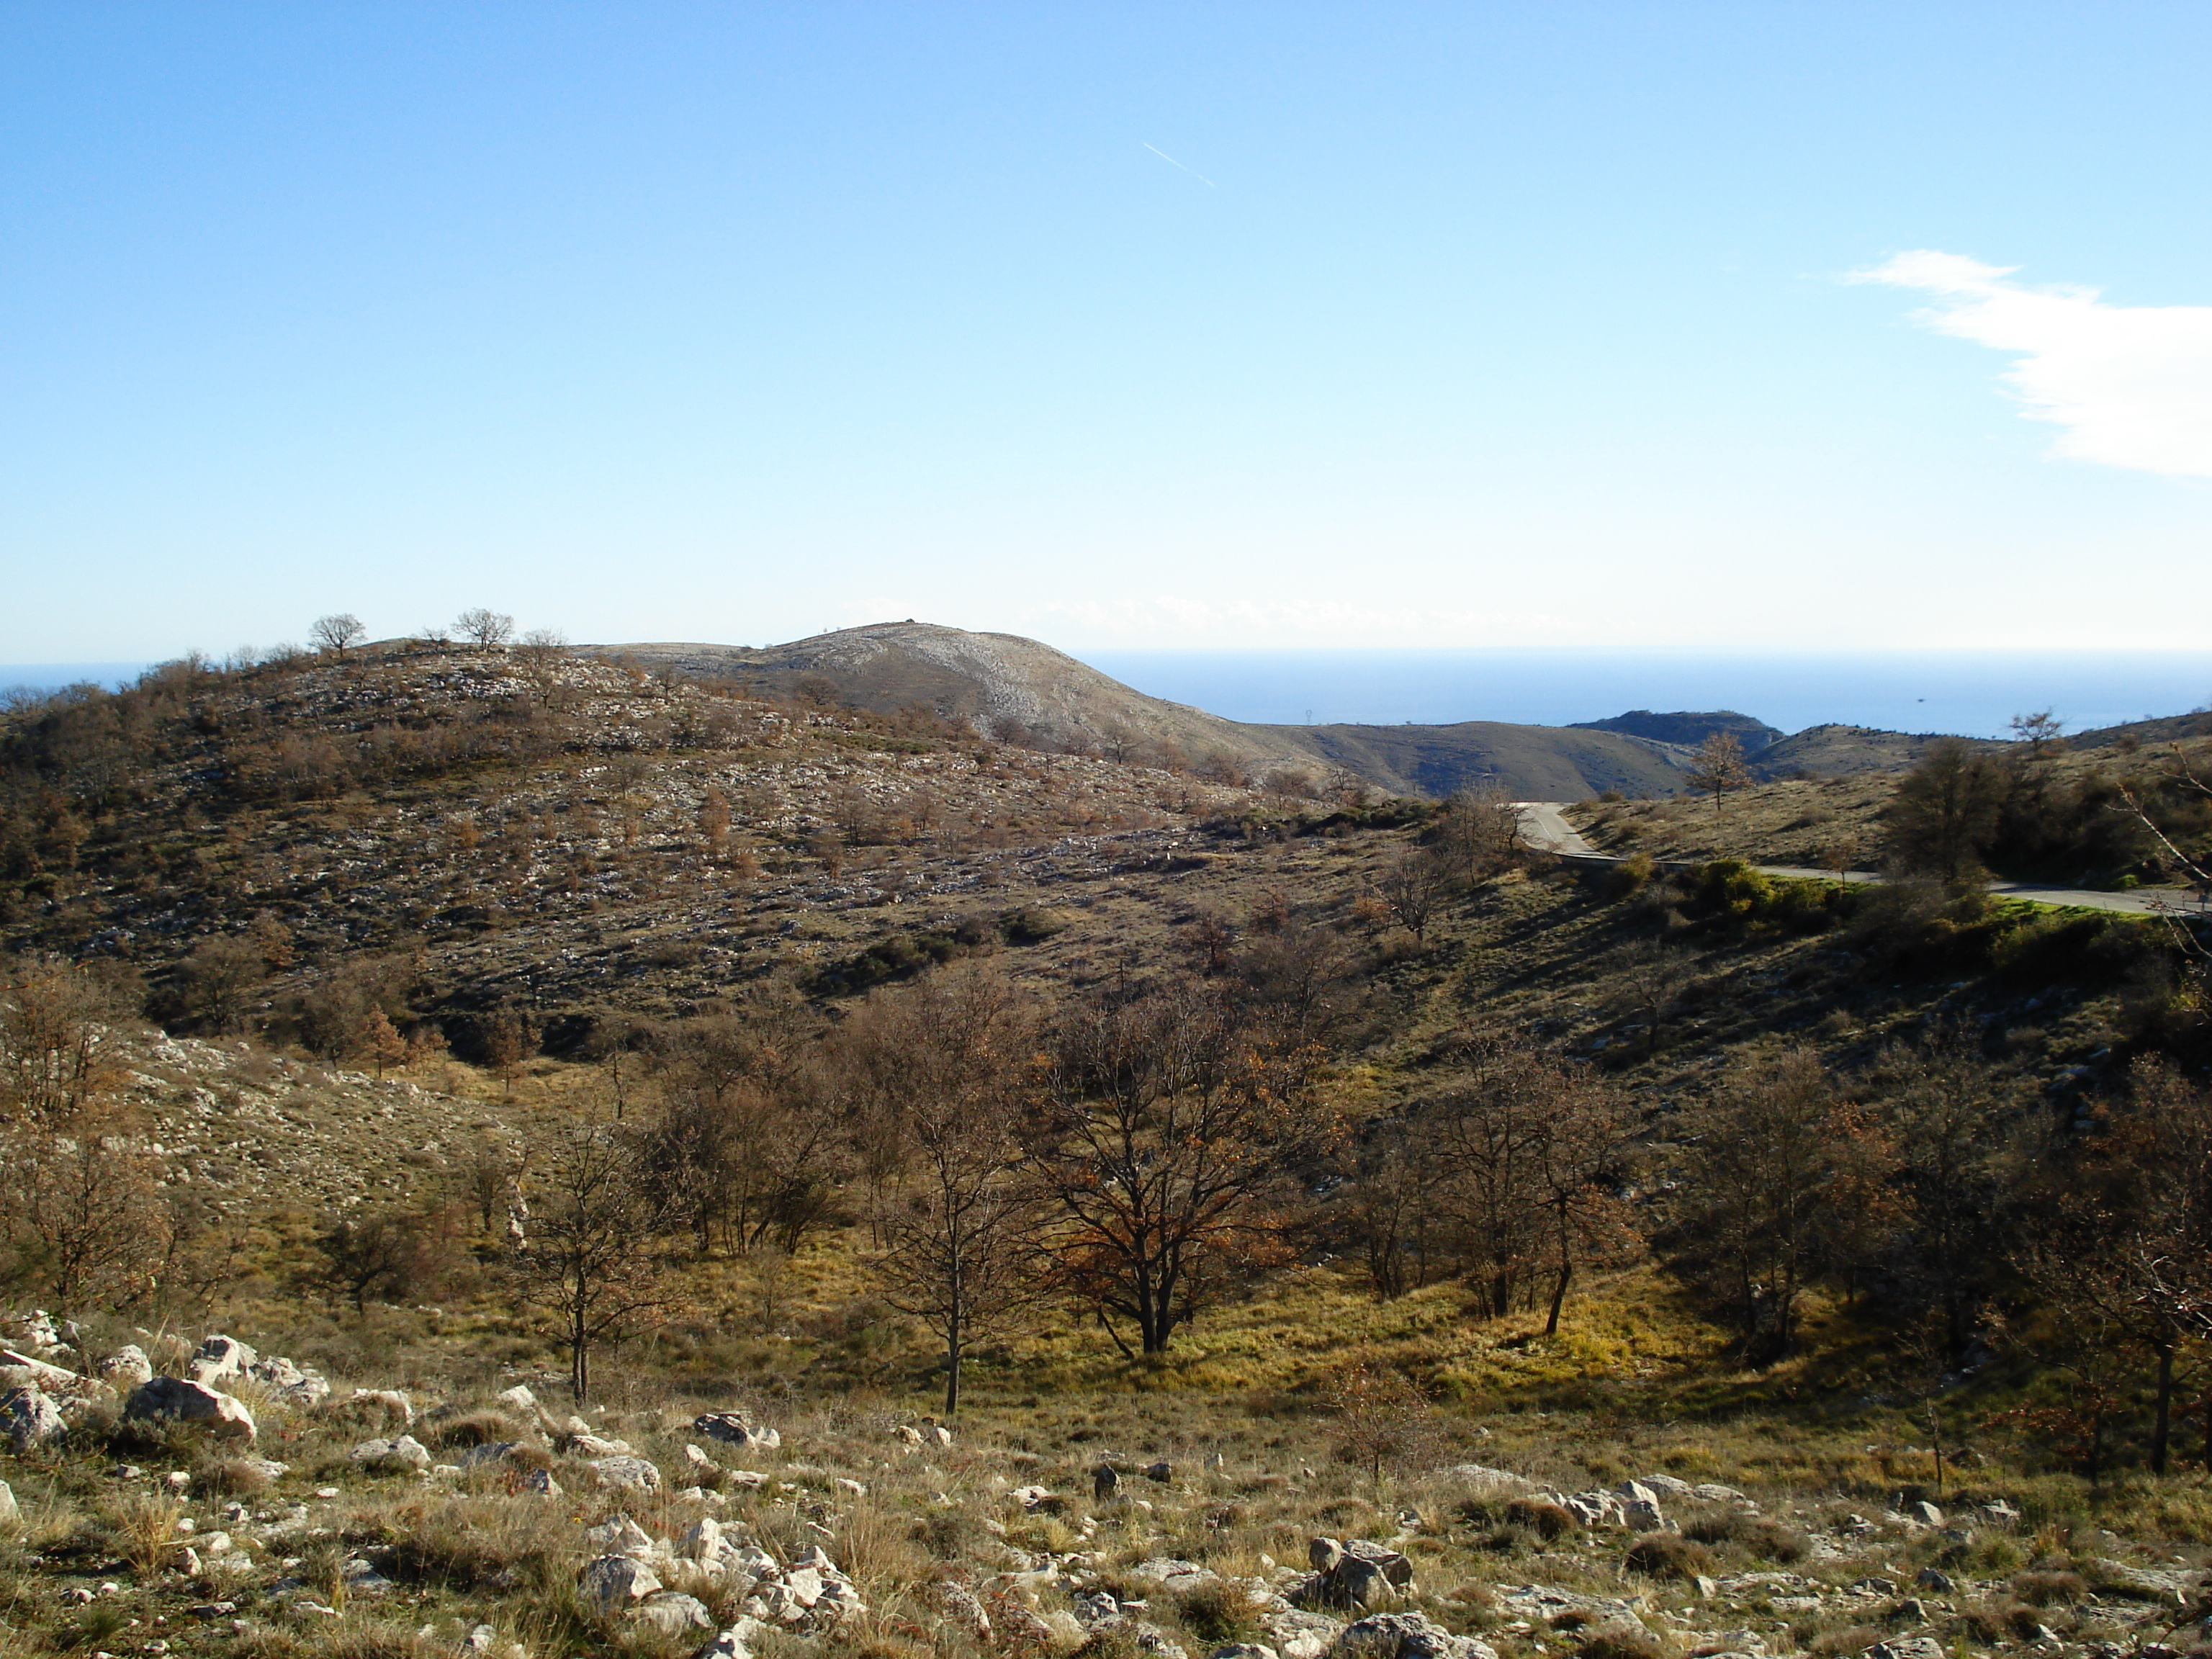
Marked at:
<point>1651,325</point>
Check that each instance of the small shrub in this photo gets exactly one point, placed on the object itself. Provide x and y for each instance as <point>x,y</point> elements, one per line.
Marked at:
<point>1668,1555</point>
<point>948,1534</point>
<point>2043,1588</point>
<point>476,1428</point>
<point>1547,1521</point>
<point>228,1477</point>
<point>1356,1511</point>
<point>1217,1613</point>
<point>1633,874</point>
<point>1993,1622</point>
<point>1767,1540</point>
<point>1625,1641</point>
<point>1770,1540</point>
<point>1835,1644</point>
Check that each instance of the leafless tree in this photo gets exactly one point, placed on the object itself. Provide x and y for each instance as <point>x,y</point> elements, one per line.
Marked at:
<point>2043,731</point>
<point>386,1253</point>
<point>1394,1204</point>
<point>540,654</point>
<point>1382,1420</point>
<point>1719,767</point>
<point>2118,1248</point>
<point>1412,886</point>
<point>1770,1169</point>
<point>1165,1140</point>
<point>487,630</point>
<point>590,1258</point>
<point>1651,978</point>
<point>1480,830</point>
<point>334,633</point>
<point>83,1221</point>
<point>57,1033</point>
<point>944,1065</point>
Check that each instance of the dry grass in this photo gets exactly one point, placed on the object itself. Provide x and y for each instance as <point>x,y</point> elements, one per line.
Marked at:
<point>142,1528</point>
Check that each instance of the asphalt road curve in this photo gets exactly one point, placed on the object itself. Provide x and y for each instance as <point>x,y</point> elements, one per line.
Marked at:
<point>1544,827</point>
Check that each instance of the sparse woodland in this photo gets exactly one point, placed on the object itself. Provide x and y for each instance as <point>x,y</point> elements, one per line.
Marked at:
<point>466,1015</point>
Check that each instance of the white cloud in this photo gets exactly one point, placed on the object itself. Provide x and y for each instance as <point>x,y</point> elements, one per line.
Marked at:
<point>2131,384</point>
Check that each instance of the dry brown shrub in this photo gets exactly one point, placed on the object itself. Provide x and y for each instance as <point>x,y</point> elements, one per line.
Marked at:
<point>1668,1555</point>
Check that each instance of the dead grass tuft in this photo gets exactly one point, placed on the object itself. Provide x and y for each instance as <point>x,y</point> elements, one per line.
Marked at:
<point>1668,1555</point>
<point>142,1528</point>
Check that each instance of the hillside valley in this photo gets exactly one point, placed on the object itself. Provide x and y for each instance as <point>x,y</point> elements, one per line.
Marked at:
<point>330,975</point>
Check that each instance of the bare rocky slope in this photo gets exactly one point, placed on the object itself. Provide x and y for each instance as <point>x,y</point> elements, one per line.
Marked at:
<point>1016,689</point>
<point>1005,686</point>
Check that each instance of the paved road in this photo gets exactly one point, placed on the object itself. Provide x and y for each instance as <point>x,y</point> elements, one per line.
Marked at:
<point>1544,828</point>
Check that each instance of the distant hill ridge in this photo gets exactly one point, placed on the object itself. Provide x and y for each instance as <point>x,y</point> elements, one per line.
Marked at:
<point>1022,691</point>
<point>1688,729</point>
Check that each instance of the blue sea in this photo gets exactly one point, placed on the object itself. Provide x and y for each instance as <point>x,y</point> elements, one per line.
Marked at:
<point>52,676</point>
<point>1973,693</point>
<point>1970,693</point>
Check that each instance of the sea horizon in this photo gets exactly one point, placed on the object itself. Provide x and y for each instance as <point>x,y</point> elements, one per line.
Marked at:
<point>1971,693</point>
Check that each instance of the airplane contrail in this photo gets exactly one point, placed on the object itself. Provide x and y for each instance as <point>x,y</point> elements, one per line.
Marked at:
<point>1172,162</point>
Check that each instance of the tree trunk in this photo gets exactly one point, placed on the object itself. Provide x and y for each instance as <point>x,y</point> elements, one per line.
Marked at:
<point>1558,1297</point>
<point>952,1366</point>
<point>2162,1424</point>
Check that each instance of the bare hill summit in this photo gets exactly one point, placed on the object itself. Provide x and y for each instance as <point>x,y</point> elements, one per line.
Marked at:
<point>1007,687</point>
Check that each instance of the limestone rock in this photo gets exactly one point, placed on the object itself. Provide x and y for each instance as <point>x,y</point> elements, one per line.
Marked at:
<point>615,1581</point>
<point>1406,1636</point>
<point>223,1416</point>
<point>126,1368</point>
<point>296,1385</point>
<point>1906,1647</point>
<point>220,1359</point>
<point>732,1430</point>
<point>30,1418</point>
<point>959,1604</point>
<point>672,1612</point>
<point>619,1537</point>
<point>383,1405</point>
<point>734,1643</point>
<point>625,1473</point>
<point>395,1456</point>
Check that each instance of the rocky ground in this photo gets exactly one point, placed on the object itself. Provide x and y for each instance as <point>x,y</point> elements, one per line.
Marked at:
<point>176,1499</point>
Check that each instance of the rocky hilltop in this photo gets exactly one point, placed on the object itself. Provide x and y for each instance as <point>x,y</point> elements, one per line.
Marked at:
<point>1003,685</point>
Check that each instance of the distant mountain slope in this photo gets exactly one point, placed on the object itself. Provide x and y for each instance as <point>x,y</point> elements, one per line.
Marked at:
<point>1004,685</point>
<point>1535,763</point>
<point>1686,728</point>
<point>1830,751</point>
<point>1014,687</point>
